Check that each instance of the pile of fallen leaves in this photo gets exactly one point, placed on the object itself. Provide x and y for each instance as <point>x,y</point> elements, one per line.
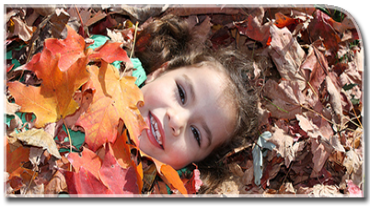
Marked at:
<point>66,104</point>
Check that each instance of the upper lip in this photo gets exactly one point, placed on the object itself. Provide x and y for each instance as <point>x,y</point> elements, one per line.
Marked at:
<point>160,128</point>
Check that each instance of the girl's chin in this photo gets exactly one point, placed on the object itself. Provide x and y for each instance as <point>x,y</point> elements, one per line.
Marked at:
<point>147,148</point>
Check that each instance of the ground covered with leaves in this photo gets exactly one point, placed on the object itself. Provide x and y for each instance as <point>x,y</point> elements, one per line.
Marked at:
<point>66,102</point>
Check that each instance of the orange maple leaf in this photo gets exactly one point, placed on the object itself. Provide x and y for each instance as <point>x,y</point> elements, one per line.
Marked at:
<point>110,52</point>
<point>71,48</point>
<point>114,98</point>
<point>52,100</point>
<point>168,174</point>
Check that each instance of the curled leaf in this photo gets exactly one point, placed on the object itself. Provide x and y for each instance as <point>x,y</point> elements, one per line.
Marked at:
<point>39,138</point>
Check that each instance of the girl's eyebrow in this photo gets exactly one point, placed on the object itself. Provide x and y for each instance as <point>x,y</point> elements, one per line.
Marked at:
<point>189,84</point>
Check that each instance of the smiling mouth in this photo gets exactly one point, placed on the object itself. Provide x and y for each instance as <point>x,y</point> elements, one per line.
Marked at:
<point>155,130</point>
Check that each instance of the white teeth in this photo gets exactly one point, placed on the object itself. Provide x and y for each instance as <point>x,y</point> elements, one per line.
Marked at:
<point>158,137</point>
<point>155,130</point>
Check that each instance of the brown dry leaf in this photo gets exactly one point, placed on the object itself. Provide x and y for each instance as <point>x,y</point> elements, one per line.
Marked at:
<point>11,108</point>
<point>285,145</point>
<point>35,155</point>
<point>248,176</point>
<point>351,75</point>
<point>324,191</point>
<point>320,155</point>
<point>335,101</point>
<point>59,20</point>
<point>56,184</point>
<point>39,138</point>
<point>333,143</point>
<point>352,161</point>
<point>345,24</point>
<point>258,31</point>
<point>231,186</point>
<point>315,67</point>
<point>319,151</point>
<point>286,98</point>
<point>140,13</point>
<point>21,29</point>
<point>320,28</point>
<point>287,188</point>
<point>201,31</point>
<point>306,124</point>
<point>287,55</point>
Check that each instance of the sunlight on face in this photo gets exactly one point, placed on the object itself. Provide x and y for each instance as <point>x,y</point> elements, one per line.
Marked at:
<point>187,113</point>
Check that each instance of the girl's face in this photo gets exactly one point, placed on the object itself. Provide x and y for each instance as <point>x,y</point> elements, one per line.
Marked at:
<point>187,113</point>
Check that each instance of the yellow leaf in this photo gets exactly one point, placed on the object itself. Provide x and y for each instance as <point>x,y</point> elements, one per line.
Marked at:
<point>39,138</point>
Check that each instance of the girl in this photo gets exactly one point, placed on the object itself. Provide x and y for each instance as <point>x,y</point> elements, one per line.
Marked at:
<point>198,103</point>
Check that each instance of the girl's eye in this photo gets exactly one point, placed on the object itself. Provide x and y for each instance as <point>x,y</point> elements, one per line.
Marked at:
<point>181,93</point>
<point>196,134</point>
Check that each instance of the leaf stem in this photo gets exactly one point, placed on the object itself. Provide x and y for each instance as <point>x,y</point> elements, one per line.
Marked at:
<point>322,116</point>
<point>29,184</point>
<point>70,141</point>
<point>312,88</point>
<point>283,110</point>
<point>354,111</point>
<point>82,24</point>
<point>133,47</point>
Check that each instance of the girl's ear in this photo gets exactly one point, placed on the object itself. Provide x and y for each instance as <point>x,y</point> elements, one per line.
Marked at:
<point>156,73</point>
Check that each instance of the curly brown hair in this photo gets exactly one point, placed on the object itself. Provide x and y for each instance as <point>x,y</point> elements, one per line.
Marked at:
<point>162,40</point>
<point>177,52</point>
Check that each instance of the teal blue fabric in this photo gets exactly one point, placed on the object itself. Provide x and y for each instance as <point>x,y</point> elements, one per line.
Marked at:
<point>139,73</point>
<point>9,56</point>
<point>77,137</point>
<point>99,40</point>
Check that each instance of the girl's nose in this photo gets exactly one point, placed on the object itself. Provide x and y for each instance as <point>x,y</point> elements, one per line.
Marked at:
<point>176,121</point>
